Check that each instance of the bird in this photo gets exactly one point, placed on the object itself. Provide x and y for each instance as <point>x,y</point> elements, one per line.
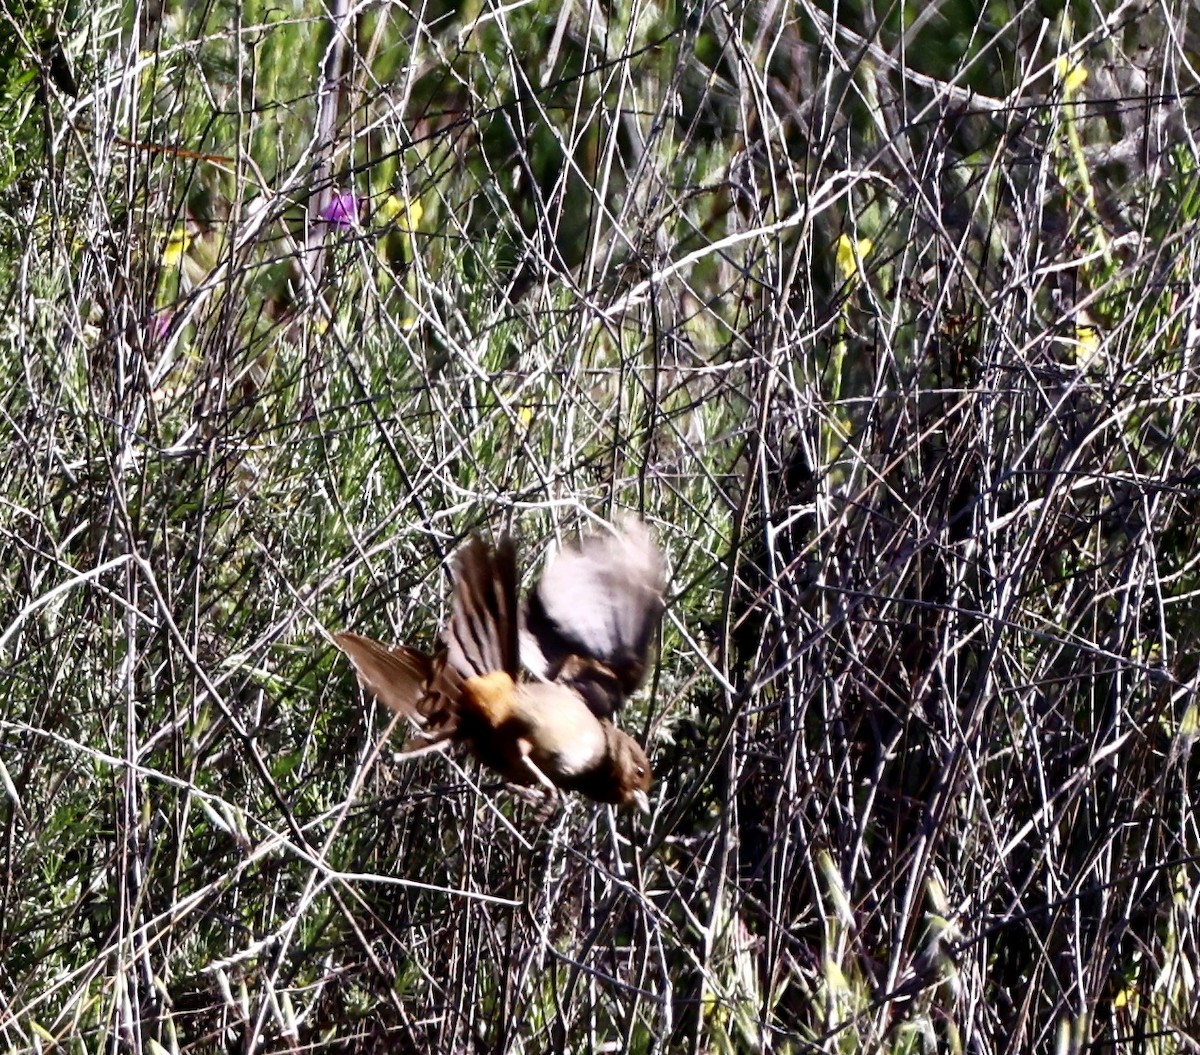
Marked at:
<point>532,689</point>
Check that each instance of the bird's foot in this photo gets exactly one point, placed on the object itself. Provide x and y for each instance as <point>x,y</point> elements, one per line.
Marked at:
<point>538,797</point>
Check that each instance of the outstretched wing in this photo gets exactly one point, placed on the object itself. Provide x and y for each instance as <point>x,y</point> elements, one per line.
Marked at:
<point>591,619</point>
<point>478,664</point>
<point>481,637</point>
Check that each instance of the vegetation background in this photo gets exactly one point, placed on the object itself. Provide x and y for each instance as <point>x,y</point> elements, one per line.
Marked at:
<point>884,316</point>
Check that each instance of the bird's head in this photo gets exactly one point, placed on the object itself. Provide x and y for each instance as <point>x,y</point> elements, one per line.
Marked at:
<point>631,768</point>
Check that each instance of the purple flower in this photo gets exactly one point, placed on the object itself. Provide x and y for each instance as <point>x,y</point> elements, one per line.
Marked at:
<point>343,209</point>
<point>160,324</point>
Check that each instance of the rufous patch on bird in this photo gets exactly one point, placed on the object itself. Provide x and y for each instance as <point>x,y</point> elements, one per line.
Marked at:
<point>490,696</point>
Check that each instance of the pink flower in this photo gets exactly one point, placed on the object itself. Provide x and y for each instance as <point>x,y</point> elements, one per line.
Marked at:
<point>343,209</point>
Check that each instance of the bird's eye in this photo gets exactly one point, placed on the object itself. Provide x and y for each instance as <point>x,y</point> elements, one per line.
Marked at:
<point>641,771</point>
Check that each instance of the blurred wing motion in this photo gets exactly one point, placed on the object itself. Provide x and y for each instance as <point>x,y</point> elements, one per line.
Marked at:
<point>591,619</point>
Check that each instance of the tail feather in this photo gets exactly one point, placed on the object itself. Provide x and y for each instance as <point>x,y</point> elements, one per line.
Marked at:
<point>422,688</point>
<point>397,676</point>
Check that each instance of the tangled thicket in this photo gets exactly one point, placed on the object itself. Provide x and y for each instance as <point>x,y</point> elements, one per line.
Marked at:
<point>887,327</point>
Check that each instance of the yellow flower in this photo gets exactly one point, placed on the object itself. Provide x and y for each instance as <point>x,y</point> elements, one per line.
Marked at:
<point>177,244</point>
<point>850,256</point>
<point>1125,997</point>
<point>407,213</point>
<point>1087,340</point>
<point>1070,75</point>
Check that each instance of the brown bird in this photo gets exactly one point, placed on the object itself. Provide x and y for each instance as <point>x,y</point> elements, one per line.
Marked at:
<point>584,636</point>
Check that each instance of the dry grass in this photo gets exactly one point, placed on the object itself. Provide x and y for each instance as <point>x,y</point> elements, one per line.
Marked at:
<point>889,330</point>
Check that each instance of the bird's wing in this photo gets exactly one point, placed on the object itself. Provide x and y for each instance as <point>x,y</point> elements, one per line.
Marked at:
<point>481,637</point>
<point>591,619</point>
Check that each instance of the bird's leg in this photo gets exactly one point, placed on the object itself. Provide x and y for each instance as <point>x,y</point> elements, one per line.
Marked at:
<point>419,745</point>
<point>523,791</point>
<point>539,776</point>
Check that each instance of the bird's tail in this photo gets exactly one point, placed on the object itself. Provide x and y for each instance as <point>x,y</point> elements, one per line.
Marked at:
<point>408,682</point>
<point>396,675</point>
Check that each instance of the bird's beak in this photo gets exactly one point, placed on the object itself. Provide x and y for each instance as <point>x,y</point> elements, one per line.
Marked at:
<point>641,800</point>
